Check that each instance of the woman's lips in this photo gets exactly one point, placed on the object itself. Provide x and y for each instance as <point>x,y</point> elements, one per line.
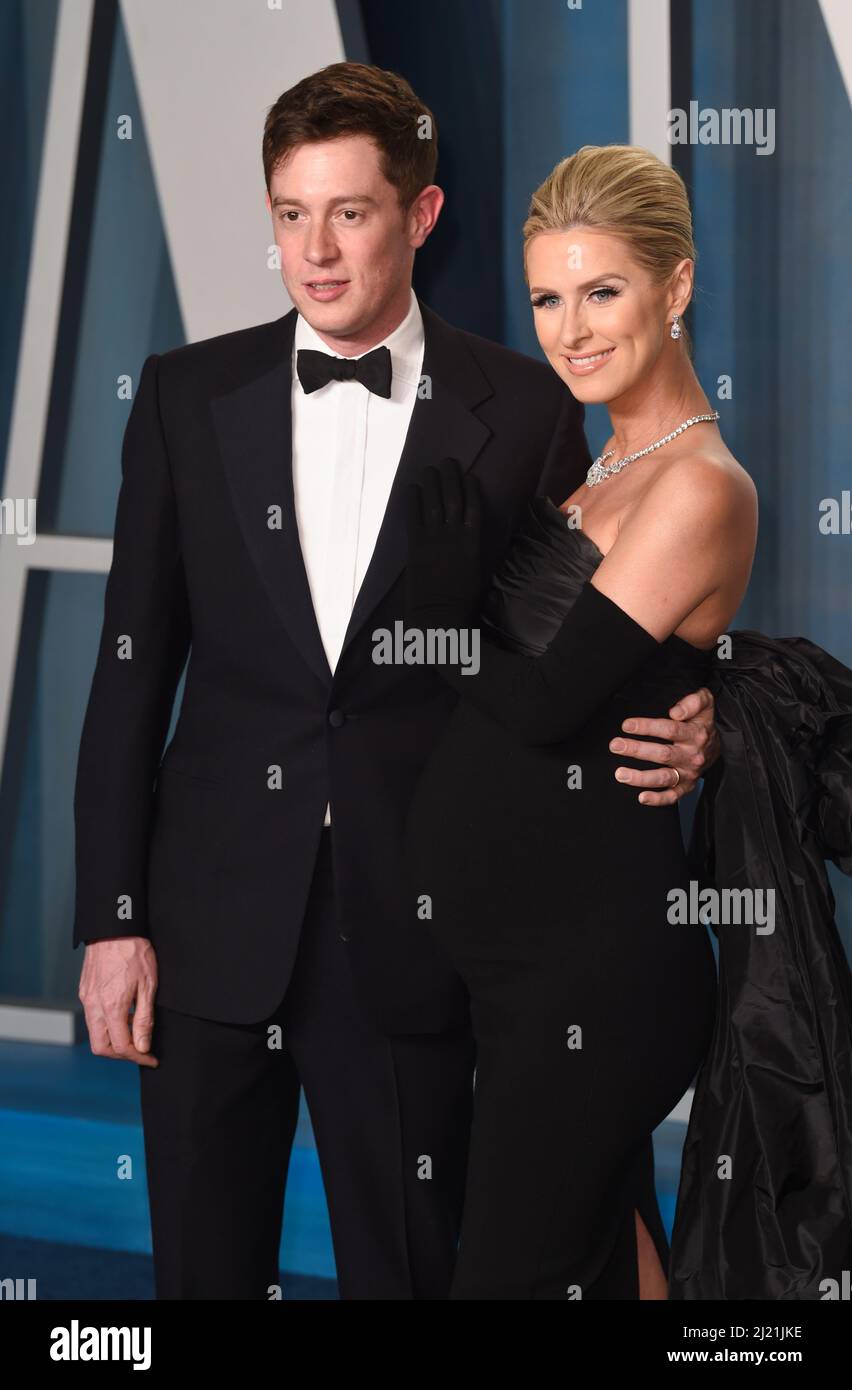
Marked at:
<point>583,364</point>
<point>326,289</point>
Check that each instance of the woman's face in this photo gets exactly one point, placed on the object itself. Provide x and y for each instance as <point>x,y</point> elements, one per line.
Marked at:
<point>601,320</point>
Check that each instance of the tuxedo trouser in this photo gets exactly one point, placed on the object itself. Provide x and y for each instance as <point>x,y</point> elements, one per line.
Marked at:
<point>391,1118</point>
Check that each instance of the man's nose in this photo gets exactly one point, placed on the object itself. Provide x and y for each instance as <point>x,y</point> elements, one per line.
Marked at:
<point>320,244</point>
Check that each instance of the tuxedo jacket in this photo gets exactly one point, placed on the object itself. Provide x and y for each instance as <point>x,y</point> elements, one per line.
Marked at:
<point>208,847</point>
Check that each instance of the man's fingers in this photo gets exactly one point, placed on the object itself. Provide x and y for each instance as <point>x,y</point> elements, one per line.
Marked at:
<point>132,1054</point>
<point>664,753</point>
<point>700,702</point>
<point>119,1033</point>
<point>96,1027</point>
<point>143,1024</point>
<point>661,798</point>
<point>656,778</point>
<point>101,1045</point>
<point>122,1043</point>
<point>144,1059</point>
<point>669,729</point>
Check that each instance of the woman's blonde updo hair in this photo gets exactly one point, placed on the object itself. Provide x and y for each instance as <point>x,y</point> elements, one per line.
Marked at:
<point>623,190</point>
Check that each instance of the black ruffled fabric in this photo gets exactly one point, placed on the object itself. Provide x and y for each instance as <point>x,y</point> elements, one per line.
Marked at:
<point>775,1092</point>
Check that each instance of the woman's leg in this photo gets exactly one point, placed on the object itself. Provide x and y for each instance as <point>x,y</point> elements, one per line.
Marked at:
<point>653,1283</point>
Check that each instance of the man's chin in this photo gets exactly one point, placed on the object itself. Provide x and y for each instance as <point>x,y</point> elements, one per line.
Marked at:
<point>331,317</point>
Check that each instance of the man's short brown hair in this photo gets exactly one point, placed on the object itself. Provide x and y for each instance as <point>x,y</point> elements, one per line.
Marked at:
<point>357,99</point>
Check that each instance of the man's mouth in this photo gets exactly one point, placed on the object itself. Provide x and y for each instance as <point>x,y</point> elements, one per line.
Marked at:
<point>322,291</point>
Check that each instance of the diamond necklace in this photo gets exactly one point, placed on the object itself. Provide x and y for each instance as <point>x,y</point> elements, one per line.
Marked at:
<point>601,470</point>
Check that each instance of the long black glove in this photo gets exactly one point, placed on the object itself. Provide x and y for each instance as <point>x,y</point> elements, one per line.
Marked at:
<point>443,575</point>
<point>541,699</point>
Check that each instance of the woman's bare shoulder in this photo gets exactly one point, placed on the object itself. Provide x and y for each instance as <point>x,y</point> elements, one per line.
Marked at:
<point>705,482</point>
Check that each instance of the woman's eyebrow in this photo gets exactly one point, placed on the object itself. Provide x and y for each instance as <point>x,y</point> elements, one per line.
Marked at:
<point>605,275</point>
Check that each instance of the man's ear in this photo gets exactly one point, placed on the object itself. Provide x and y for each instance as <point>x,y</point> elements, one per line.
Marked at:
<point>424,213</point>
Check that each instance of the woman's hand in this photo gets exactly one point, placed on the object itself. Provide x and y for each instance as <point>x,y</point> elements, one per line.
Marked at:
<point>443,576</point>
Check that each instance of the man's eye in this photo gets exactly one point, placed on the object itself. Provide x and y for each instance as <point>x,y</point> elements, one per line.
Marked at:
<point>349,213</point>
<point>288,215</point>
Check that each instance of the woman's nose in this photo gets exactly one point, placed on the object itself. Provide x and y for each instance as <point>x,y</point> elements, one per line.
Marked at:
<point>574,330</point>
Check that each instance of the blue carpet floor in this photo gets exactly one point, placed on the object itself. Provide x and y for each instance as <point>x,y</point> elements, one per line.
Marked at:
<point>78,1272</point>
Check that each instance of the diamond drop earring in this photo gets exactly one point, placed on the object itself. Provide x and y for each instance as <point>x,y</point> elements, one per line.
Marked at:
<point>675,329</point>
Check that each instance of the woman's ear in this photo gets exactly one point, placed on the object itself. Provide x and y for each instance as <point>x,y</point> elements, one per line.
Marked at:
<point>680,289</point>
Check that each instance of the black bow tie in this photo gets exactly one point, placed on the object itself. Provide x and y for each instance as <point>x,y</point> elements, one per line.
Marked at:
<point>373,370</point>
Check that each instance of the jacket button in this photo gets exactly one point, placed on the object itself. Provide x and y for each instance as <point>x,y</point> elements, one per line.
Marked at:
<point>336,718</point>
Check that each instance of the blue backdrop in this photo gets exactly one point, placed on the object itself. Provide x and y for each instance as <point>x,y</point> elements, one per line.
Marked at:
<point>512,95</point>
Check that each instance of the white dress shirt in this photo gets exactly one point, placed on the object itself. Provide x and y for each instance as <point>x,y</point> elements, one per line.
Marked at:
<point>347,443</point>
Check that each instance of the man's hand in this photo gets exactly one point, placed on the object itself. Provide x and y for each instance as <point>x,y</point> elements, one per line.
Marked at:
<point>692,749</point>
<point>116,974</point>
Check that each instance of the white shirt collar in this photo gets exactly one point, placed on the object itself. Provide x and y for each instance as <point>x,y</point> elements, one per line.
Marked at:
<point>405,344</point>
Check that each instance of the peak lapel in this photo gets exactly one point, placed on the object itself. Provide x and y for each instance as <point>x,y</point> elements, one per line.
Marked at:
<point>253,424</point>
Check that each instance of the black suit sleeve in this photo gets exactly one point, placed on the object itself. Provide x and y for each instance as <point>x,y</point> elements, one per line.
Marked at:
<point>568,458</point>
<point>144,643</point>
<point>544,699</point>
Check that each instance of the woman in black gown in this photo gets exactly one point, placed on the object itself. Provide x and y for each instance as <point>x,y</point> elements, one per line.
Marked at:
<point>548,885</point>
<point>591,1011</point>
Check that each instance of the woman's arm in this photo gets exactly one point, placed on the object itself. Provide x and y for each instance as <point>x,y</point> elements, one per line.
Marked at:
<point>543,699</point>
<point>673,554</point>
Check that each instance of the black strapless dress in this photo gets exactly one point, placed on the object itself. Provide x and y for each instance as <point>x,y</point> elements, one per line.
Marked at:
<point>549,888</point>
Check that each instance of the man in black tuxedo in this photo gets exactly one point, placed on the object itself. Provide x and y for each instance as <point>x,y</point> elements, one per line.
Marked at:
<point>243,896</point>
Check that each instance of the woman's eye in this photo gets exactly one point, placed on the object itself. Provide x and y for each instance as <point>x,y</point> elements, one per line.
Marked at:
<point>607,291</point>
<point>545,300</point>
